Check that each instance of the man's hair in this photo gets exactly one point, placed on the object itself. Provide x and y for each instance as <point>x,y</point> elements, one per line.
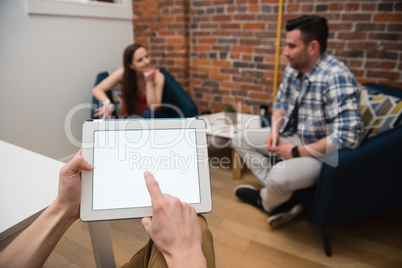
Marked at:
<point>311,28</point>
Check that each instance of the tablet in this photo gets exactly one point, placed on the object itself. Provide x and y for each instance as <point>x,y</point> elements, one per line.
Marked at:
<point>175,151</point>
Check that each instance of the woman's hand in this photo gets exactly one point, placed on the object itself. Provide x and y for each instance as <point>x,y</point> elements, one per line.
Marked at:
<point>104,112</point>
<point>150,75</point>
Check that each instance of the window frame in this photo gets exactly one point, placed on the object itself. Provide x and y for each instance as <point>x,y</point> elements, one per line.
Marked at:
<point>92,9</point>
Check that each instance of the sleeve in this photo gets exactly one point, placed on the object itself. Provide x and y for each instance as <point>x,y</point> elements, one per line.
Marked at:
<point>343,109</point>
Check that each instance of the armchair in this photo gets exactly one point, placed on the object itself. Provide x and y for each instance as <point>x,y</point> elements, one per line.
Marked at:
<point>366,181</point>
<point>175,101</point>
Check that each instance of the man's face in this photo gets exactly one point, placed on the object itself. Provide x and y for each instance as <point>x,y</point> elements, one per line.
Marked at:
<point>296,51</point>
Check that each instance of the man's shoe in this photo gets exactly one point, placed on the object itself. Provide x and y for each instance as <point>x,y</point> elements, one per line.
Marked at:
<point>249,194</point>
<point>285,213</point>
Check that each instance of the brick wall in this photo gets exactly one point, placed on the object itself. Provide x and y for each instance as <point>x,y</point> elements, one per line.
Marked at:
<point>163,27</point>
<point>223,51</point>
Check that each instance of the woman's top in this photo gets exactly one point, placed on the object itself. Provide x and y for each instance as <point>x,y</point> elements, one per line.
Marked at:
<point>141,104</point>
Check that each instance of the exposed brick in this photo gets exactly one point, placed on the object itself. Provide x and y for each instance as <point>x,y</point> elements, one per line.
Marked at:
<point>226,44</point>
<point>222,63</point>
<point>293,7</point>
<point>384,36</point>
<point>230,26</point>
<point>340,26</point>
<point>372,64</point>
<point>151,12</point>
<point>370,27</point>
<point>208,69</point>
<point>247,49</point>
<point>385,6</point>
<point>349,53</point>
<point>254,26</point>
<point>226,84</point>
<point>207,40</point>
<point>242,9</point>
<point>321,8</point>
<point>355,63</point>
<point>149,4</point>
<point>307,8</point>
<point>241,2</point>
<point>244,17</point>
<point>391,46</point>
<point>335,6</point>
<point>240,64</point>
<point>358,45</point>
<point>254,8</point>
<point>222,18</point>
<point>267,9</point>
<point>388,65</point>
<point>201,62</point>
<point>386,75</point>
<point>230,70</point>
<point>395,27</point>
<point>260,96</point>
<point>352,36</point>
<point>387,17</point>
<point>358,73</point>
<point>382,55</point>
<point>216,76</point>
<point>352,7</point>
<point>368,6</point>
<point>356,17</point>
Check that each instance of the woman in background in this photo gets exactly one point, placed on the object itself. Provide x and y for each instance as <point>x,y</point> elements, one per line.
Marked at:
<point>142,86</point>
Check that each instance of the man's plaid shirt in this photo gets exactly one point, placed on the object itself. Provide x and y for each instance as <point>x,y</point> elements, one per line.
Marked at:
<point>330,107</point>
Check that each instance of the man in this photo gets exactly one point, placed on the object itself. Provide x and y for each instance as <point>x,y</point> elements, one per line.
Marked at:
<point>177,239</point>
<point>316,112</point>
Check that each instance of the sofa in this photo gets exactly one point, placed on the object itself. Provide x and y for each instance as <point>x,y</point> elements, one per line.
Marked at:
<point>177,103</point>
<point>365,181</point>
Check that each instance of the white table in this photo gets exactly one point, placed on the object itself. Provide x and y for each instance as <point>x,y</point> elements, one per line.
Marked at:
<point>28,184</point>
<point>220,133</point>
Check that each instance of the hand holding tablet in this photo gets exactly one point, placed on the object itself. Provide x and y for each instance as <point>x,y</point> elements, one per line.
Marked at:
<point>174,150</point>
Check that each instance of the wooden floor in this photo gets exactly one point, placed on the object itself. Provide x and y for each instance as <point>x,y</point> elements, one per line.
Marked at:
<point>243,238</point>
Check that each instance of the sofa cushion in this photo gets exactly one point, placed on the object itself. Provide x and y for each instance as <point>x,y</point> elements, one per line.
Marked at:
<point>380,111</point>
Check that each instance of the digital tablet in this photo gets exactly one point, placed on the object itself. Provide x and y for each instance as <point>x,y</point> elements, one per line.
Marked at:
<point>173,150</point>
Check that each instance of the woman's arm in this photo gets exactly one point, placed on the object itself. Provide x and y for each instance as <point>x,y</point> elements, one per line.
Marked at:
<point>100,90</point>
<point>154,88</point>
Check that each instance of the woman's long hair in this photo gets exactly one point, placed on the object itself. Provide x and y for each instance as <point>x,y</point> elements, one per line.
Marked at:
<point>130,79</point>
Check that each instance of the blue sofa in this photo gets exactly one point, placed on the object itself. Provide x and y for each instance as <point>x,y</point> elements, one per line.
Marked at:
<point>366,181</point>
<point>178,102</point>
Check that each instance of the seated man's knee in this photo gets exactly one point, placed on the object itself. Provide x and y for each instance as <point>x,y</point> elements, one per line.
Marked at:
<point>278,179</point>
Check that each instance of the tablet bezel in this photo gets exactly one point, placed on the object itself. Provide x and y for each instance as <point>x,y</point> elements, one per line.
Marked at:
<point>89,128</point>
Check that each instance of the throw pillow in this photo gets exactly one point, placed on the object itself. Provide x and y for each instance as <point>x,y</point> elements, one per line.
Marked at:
<point>380,112</point>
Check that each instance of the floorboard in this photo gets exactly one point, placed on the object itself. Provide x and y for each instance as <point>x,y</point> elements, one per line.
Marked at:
<point>242,237</point>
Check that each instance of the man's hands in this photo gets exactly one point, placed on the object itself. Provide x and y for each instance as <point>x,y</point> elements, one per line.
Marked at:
<point>69,195</point>
<point>174,228</point>
<point>282,150</point>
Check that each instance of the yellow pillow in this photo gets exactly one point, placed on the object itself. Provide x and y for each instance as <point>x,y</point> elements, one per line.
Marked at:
<point>380,112</point>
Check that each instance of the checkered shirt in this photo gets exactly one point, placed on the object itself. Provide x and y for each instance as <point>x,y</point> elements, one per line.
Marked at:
<point>330,107</point>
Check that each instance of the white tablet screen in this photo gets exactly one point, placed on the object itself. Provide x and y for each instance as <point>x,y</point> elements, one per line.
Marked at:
<point>122,157</point>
